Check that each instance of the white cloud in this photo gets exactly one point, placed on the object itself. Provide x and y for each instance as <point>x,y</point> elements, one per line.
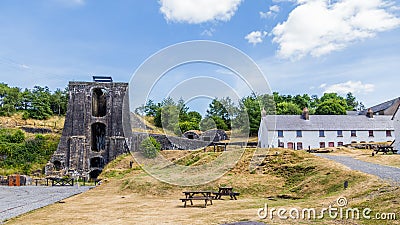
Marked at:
<point>24,66</point>
<point>256,37</point>
<point>317,28</point>
<point>273,10</point>
<point>208,32</point>
<point>195,11</point>
<point>349,86</point>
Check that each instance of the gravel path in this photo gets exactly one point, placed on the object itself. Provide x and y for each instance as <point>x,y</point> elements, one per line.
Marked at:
<point>384,172</point>
<point>15,201</point>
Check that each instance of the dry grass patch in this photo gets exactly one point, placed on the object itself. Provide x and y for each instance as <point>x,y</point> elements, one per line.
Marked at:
<point>138,198</point>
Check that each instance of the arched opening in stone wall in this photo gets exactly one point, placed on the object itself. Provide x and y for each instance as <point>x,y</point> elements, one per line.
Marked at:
<point>99,102</point>
<point>94,174</point>
<point>96,162</point>
<point>57,165</point>
<point>98,137</point>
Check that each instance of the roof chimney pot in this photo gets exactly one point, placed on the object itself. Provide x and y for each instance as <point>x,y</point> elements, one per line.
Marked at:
<point>370,113</point>
<point>306,114</point>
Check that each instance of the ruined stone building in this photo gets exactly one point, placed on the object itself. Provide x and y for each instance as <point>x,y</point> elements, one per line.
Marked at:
<point>94,131</point>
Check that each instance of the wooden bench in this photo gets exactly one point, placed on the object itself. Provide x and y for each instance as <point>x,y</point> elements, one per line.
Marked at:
<point>385,149</point>
<point>197,195</point>
<point>226,191</point>
<point>205,198</point>
<point>231,195</point>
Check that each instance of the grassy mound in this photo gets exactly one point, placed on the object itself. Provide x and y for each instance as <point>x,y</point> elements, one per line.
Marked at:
<point>283,173</point>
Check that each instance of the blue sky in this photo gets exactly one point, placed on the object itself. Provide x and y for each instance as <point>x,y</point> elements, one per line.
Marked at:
<point>303,46</point>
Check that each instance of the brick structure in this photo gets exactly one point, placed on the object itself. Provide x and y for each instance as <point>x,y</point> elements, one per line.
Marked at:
<point>93,133</point>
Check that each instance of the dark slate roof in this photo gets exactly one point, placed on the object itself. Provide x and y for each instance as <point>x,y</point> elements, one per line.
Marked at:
<point>330,122</point>
<point>381,107</point>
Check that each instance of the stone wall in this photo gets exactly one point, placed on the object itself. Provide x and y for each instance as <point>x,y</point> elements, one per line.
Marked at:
<point>169,142</point>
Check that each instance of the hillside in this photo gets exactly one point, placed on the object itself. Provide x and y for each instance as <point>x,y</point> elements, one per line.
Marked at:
<point>27,145</point>
<point>285,179</point>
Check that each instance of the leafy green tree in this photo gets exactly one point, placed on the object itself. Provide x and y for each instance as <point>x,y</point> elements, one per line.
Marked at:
<point>288,108</point>
<point>194,117</point>
<point>331,107</point>
<point>302,101</point>
<point>183,111</point>
<point>41,106</point>
<point>249,115</point>
<point>10,99</point>
<point>351,102</point>
<point>187,125</point>
<point>151,108</point>
<point>213,122</point>
<point>26,99</point>
<point>223,108</point>
<point>150,147</point>
<point>59,102</point>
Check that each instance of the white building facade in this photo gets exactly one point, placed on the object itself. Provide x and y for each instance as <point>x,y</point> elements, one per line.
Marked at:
<point>322,131</point>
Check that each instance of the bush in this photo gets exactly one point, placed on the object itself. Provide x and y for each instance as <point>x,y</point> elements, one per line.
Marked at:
<point>150,147</point>
<point>21,155</point>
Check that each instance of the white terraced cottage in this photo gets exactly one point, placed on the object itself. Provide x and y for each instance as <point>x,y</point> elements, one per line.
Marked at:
<point>321,131</point>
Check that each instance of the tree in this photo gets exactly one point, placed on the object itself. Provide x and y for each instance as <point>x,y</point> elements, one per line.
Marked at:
<point>26,99</point>
<point>223,108</point>
<point>187,125</point>
<point>59,102</point>
<point>10,99</point>
<point>288,108</point>
<point>351,102</point>
<point>40,108</point>
<point>167,117</point>
<point>207,124</point>
<point>150,147</point>
<point>151,108</point>
<point>194,117</point>
<point>302,101</point>
<point>331,107</point>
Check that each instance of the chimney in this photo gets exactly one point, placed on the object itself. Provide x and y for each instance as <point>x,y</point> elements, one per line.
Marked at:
<point>370,113</point>
<point>263,113</point>
<point>305,115</point>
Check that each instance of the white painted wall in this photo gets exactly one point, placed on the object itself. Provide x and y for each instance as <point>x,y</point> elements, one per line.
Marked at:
<point>312,139</point>
<point>396,124</point>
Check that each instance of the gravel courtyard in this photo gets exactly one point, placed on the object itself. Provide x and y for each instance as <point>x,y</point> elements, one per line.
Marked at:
<point>384,172</point>
<point>15,201</point>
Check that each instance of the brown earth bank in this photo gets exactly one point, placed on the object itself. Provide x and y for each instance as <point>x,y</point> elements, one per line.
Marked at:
<point>284,179</point>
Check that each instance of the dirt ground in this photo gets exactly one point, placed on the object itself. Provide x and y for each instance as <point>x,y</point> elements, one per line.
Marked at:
<point>144,203</point>
<point>106,205</point>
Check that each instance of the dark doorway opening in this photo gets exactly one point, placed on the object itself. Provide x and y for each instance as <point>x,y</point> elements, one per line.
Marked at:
<point>98,137</point>
<point>99,102</point>
<point>57,165</point>
<point>96,162</point>
<point>94,174</point>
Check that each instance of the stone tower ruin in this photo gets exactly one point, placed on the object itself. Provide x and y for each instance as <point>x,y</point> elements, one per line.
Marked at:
<point>93,133</point>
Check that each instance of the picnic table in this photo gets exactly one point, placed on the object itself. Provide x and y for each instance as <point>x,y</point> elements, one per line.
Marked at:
<point>385,149</point>
<point>226,191</point>
<point>197,195</point>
